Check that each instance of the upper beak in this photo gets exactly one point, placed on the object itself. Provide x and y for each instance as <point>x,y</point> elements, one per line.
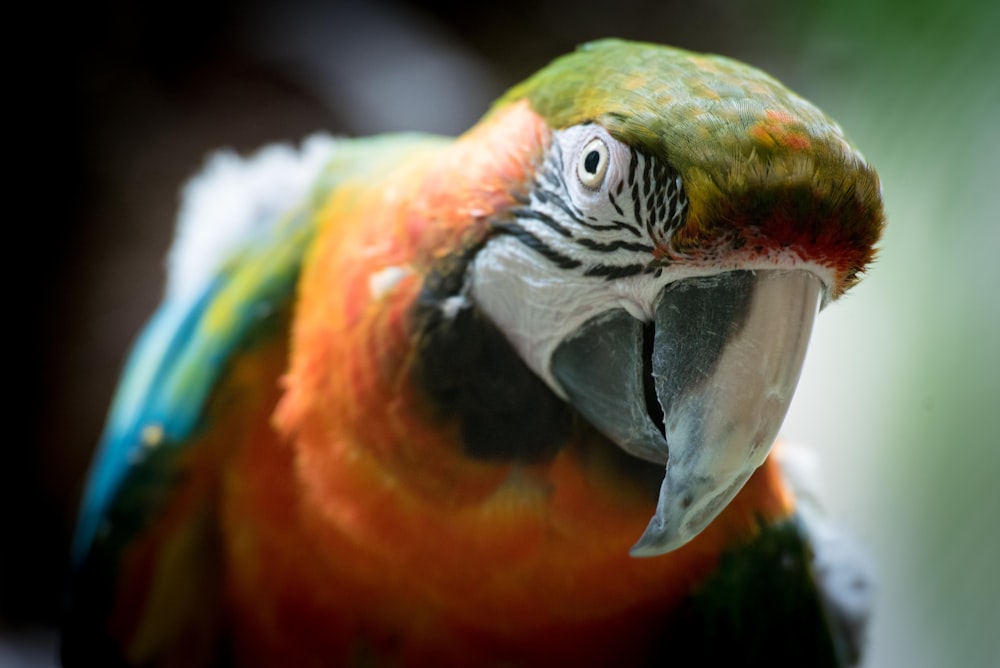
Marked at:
<point>702,389</point>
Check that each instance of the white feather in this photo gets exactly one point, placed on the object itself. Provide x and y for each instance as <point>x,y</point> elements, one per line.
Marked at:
<point>844,569</point>
<point>234,200</point>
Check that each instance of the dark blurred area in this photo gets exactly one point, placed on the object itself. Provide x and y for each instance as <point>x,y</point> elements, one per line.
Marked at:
<point>131,98</point>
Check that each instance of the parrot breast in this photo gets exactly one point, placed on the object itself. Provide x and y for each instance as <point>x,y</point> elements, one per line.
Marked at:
<point>434,472</point>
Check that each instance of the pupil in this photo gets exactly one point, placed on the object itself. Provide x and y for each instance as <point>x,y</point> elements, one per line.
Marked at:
<point>590,162</point>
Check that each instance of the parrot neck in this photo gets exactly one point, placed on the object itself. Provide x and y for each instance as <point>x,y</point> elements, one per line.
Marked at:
<point>359,349</point>
<point>407,497</point>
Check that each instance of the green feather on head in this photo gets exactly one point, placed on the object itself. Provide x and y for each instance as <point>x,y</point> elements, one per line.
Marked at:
<point>747,149</point>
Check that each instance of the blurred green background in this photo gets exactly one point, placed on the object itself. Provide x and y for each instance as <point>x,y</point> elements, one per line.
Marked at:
<point>900,396</point>
<point>902,387</point>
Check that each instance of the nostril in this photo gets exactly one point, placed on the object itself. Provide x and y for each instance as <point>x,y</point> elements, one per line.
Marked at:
<point>653,407</point>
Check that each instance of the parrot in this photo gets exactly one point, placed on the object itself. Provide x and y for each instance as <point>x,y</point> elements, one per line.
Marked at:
<point>505,399</point>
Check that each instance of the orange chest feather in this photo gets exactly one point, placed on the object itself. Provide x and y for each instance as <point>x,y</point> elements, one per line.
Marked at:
<point>333,553</point>
<point>360,562</point>
<point>358,529</point>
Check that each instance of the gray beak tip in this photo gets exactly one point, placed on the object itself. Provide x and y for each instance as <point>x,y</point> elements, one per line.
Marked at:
<point>655,541</point>
<point>684,510</point>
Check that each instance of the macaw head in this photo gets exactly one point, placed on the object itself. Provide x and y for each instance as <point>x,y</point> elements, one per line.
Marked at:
<point>686,218</point>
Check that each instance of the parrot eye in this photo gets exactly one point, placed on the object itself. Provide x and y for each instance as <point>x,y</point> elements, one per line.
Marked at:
<point>593,163</point>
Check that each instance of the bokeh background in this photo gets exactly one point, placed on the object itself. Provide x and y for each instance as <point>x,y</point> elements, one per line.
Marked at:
<point>900,396</point>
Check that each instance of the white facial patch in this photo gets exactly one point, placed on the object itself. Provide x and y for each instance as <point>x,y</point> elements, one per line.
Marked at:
<point>583,246</point>
<point>543,281</point>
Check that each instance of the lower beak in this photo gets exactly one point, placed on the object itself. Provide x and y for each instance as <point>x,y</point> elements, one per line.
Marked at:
<point>702,389</point>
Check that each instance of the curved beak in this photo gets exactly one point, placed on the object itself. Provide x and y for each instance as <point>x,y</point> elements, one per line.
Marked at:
<point>702,389</point>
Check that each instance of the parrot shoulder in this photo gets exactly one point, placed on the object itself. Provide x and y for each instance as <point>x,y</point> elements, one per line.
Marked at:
<point>243,230</point>
<point>243,227</point>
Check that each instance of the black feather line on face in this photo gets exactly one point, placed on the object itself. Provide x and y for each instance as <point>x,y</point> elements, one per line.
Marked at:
<point>536,244</point>
<point>608,247</point>
<point>611,198</point>
<point>611,272</point>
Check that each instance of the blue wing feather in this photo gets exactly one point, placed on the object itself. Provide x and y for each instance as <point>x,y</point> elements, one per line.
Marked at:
<point>143,401</point>
<point>177,360</point>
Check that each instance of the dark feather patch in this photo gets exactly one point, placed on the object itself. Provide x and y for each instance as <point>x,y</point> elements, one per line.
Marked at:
<point>760,607</point>
<point>471,374</point>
